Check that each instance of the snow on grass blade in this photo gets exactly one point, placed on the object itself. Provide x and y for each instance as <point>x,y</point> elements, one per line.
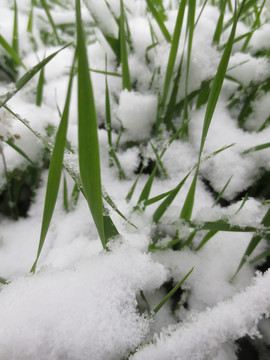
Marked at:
<point>159,19</point>
<point>54,175</point>
<point>47,10</point>
<point>123,49</point>
<point>27,77</point>
<point>15,35</point>
<point>255,240</point>
<point>173,52</point>
<point>11,52</point>
<point>211,105</point>
<point>88,138</point>
<point>257,148</point>
<point>170,294</point>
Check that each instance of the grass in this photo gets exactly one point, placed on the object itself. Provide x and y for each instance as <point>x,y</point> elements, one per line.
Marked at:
<point>178,101</point>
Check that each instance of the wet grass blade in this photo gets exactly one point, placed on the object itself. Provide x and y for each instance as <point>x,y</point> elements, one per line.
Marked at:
<point>47,10</point>
<point>167,202</point>
<point>211,105</point>
<point>173,52</point>
<point>88,138</point>
<point>159,19</point>
<point>54,175</point>
<point>257,148</point>
<point>27,77</point>
<point>255,240</point>
<point>15,35</point>
<point>20,151</point>
<point>11,52</point>
<point>206,238</point>
<point>170,294</point>
<point>222,192</point>
<point>126,84</point>
<point>40,86</point>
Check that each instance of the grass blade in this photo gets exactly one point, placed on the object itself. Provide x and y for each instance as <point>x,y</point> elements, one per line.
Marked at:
<point>65,194</point>
<point>15,35</point>
<point>222,225</point>
<point>20,151</point>
<point>211,105</point>
<point>170,294</point>
<point>47,10</point>
<point>173,52</point>
<point>40,86</point>
<point>88,138</point>
<point>159,19</point>
<point>27,77</point>
<point>218,31</point>
<point>206,238</point>
<point>126,84</point>
<point>257,148</point>
<point>12,53</point>
<point>54,175</point>
<point>222,192</point>
<point>255,240</point>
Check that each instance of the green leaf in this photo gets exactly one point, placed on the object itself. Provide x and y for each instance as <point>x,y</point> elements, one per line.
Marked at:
<point>15,36</point>
<point>124,55</point>
<point>257,148</point>
<point>11,52</point>
<point>54,175</point>
<point>47,10</point>
<point>40,86</point>
<point>27,77</point>
<point>159,19</point>
<point>222,192</point>
<point>170,294</point>
<point>20,151</point>
<point>206,238</point>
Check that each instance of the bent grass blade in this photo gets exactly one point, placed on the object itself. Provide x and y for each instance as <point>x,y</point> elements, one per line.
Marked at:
<point>54,175</point>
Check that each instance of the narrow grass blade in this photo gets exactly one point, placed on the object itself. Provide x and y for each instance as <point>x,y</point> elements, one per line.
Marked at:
<point>218,31</point>
<point>106,72</point>
<point>242,204</point>
<point>74,196</point>
<point>190,30</point>
<point>206,238</point>
<point>30,19</point>
<point>173,52</point>
<point>126,84</point>
<point>255,240</point>
<point>200,14</point>
<point>225,226</point>
<point>65,194</point>
<point>211,105</point>
<point>170,294</point>
<point>222,192</point>
<point>167,202</point>
<point>40,86</point>
<point>47,10</point>
<point>159,19</point>
<point>12,203</point>
<point>146,190</point>
<point>54,175</point>
<point>261,256</point>
<point>27,77</point>
<point>11,52</point>
<point>15,35</point>
<point>20,151</point>
<point>257,148</point>
<point>159,161</point>
<point>3,281</point>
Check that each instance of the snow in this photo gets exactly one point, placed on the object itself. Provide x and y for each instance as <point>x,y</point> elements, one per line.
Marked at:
<point>84,302</point>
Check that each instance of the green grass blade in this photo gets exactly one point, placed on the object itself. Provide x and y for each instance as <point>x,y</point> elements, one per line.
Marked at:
<point>3,281</point>
<point>173,52</point>
<point>206,238</point>
<point>242,204</point>
<point>218,31</point>
<point>65,194</point>
<point>222,192</point>
<point>159,161</point>
<point>159,19</point>
<point>27,77</point>
<point>211,105</point>
<point>30,19</point>
<point>126,84</point>
<point>20,151</point>
<point>255,240</point>
<point>88,136</point>
<point>261,256</point>
<point>47,10</point>
<point>146,190</point>
<point>200,14</point>
<point>257,148</point>
<point>106,72</point>
<point>15,35</point>
<point>170,294</point>
<point>54,175</point>
<point>11,52</point>
<point>169,199</point>
<point>40,86</point>
<point>222,225</point>
<point>74,196</point>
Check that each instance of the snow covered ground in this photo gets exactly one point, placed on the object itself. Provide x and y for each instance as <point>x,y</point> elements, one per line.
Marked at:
<point>84,302</point>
